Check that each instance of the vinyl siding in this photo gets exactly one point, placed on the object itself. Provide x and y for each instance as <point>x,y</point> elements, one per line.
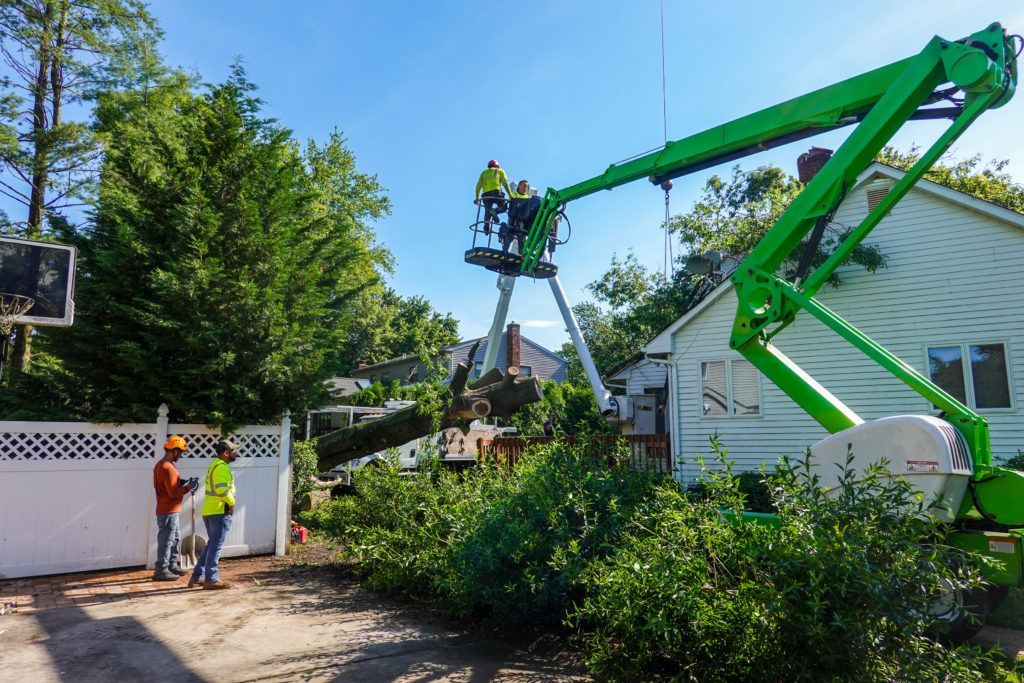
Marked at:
<point>645,375</point>
<point>951,278</point>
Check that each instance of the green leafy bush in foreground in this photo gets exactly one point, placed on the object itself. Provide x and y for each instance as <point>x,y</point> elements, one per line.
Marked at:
<point>660,583</point>
<point>508,546</point>
<point>840,590</point>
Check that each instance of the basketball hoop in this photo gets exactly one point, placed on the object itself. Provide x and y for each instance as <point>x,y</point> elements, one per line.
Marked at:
<point>12,307</point>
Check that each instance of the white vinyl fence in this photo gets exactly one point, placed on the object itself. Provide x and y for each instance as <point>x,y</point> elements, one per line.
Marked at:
<point>76,496</point>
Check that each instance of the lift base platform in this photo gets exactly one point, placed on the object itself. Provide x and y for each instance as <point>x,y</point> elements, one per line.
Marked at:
<point>507,263</point>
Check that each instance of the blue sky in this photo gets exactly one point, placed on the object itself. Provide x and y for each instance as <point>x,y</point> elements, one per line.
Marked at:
<point>426,92</point>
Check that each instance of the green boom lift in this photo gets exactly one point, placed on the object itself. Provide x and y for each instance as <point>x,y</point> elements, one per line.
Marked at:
<point>948,458</point>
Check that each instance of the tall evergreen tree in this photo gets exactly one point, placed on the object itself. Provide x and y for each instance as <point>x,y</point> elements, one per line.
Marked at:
<point>221,261</point>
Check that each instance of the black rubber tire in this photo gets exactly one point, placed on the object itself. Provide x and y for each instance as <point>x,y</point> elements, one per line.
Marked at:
<point>997,596</point>
<point>976,608</point>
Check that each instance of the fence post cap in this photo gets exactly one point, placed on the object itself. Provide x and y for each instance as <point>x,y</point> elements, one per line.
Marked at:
<point>163,410</point>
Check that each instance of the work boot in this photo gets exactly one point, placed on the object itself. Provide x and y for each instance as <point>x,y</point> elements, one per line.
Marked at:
<point>164,575</point>
<point>180,572</point>
<point>216,585</point>
<point>193,582</point>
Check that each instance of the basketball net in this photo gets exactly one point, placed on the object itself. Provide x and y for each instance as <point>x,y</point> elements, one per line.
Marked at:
<point>12,307</point>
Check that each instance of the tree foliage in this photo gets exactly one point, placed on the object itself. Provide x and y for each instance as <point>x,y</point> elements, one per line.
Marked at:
<point>733,215</point>
<point>632,305</point>
<point>384,325</point>
<point>989,181</point>
<point>222,261</point>
<point>571,404</point>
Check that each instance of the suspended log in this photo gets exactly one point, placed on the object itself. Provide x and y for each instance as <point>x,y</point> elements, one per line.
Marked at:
<point>496,394</point>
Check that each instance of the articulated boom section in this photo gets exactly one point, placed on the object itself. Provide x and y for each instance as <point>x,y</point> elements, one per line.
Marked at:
<point>984,69</point>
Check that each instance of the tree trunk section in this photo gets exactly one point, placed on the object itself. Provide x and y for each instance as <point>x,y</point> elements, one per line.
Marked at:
<point>496,394</point>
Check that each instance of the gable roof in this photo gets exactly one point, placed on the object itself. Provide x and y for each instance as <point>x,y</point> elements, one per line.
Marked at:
<point>662,343</point>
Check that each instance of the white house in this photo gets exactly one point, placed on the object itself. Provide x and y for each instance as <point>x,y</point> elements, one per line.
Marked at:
<point>950,304</point>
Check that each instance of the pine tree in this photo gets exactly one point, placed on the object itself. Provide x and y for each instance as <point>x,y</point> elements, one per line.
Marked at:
<point>221,264</point>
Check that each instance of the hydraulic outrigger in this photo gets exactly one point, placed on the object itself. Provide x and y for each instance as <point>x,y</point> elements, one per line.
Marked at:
<point>956,80</point>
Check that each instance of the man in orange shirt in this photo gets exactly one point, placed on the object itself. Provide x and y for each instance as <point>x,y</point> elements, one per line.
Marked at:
<point>170,490</point>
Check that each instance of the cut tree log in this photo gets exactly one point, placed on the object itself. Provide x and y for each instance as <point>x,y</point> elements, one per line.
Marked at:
<point>496,394</point>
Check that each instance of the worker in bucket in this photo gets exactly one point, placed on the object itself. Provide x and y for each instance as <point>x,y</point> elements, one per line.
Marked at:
<point>488,188</point>
<point>170,491</point>
<point>218,509</point>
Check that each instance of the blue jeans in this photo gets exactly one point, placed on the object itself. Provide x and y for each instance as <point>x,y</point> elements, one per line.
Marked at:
<point>168,536</point>
<point>216,529</point>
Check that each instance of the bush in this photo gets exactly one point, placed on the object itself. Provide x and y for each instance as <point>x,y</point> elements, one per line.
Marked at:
<point>304,468</point>
<point>839,590</point>
<point>508,546</point>
<point>1016,462</point>
<point>662,583</point>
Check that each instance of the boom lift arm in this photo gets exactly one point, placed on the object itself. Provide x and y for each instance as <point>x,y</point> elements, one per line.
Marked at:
<point>981,67</point>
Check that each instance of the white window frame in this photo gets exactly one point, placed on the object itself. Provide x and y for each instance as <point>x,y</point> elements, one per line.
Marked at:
<point>968,370</point>
<point>730,401</point>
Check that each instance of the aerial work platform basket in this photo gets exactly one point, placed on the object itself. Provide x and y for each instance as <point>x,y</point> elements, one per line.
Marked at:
<point>496,244</point>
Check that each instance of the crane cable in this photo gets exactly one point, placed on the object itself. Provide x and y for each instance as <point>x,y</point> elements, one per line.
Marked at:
<point>669,266</point>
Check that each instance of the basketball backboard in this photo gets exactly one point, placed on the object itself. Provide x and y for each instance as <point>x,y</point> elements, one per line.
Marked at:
<point>43,271</point>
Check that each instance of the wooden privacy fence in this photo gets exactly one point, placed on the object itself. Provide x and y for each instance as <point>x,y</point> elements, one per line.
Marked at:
<point>646,452</point>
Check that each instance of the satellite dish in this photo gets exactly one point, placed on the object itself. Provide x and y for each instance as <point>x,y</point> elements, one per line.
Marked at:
<point>714,257</point>
<point>697,265</point>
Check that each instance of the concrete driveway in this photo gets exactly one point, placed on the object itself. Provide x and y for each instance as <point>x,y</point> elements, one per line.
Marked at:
<point>279,623</point>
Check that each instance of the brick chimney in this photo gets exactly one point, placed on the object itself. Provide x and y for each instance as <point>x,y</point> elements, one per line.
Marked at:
<point>512,345</point>
<point>361,365</point>
<point>809,163</point>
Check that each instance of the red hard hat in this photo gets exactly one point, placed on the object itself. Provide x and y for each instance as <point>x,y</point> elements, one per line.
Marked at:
<point>493,164</point>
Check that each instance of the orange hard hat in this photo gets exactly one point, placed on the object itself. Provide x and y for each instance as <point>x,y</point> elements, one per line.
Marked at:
<point>176,442</point>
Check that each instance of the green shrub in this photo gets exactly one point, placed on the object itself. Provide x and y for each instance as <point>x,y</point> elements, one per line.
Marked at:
<point>510,546</point>
<point>839,590</point>
<point>1016,462</point>
<point>304,468</point>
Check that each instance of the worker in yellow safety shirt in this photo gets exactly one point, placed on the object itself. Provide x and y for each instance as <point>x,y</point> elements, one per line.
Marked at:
<point>488,188</point>
<point>218,508</point>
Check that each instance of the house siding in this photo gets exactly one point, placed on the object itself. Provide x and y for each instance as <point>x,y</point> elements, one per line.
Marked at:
<point>951,278</point>
<point>645,375</point>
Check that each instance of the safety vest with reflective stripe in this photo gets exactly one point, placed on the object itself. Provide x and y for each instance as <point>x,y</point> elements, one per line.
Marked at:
<point>492,179</point>
<point>220,488</point>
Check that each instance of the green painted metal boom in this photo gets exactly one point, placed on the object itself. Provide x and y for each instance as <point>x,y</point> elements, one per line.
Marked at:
<point>982,69</point>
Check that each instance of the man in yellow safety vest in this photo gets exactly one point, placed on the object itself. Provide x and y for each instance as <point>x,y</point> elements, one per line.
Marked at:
<point>218,508</point>
<point>488,188</point>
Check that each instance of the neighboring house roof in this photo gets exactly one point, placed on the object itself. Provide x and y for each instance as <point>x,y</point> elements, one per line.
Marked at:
<point>663,342</point>
<point>390,361</point>
<point>344,386</point>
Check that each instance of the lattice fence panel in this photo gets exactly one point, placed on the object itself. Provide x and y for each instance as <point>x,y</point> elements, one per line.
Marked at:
<point>35,446</point>
<point>200,445</point>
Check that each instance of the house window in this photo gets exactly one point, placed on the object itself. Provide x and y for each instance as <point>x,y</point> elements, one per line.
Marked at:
<point>525,370</point>
<point>729,388</point>
<point>385,377</point>
<point>476,371</point>
<point>977,375</point>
